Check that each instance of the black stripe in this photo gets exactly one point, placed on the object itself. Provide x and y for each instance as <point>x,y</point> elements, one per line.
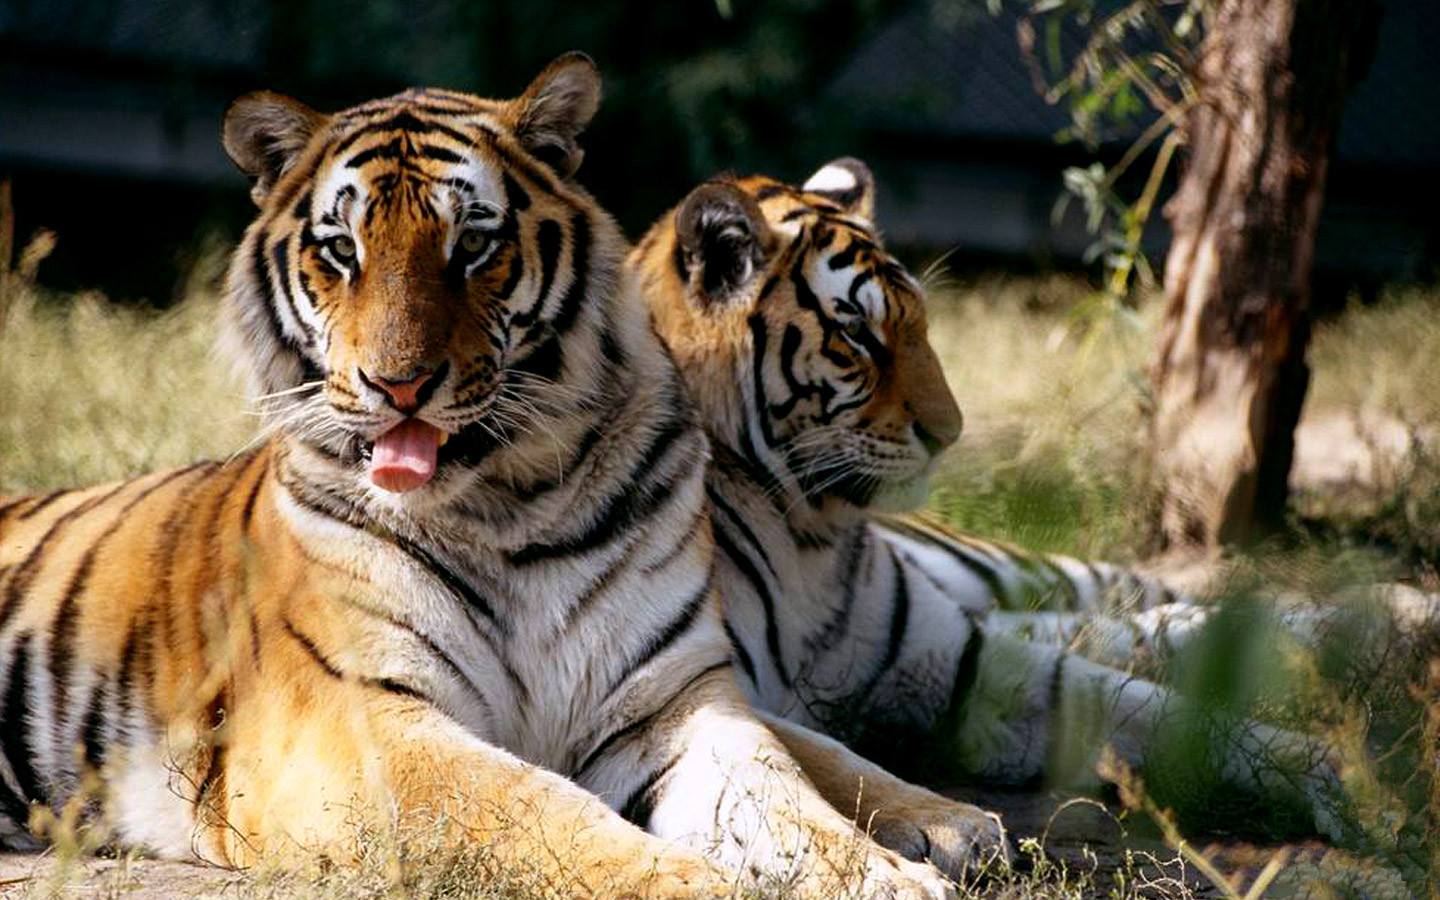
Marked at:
<point>301,209</point>
<point>596,587</point>
<point>280,256</point>
<point>516,197</point>
<point>391,149</point>
<point>171,533</point>
<point>430,645</point>
<point>632,501</point>
<point>260,272</point>
<point>315,655</point>
<point>529,492</point>
<point>440,154</point>
<point>247,511</point>
<point>757,366</point>
<point>548,241</point>
<point>967,671</point>
<point>767,600</point>
<point>407,122</point>
<point>720,503</point>
<point>640,805</point>
<point>125,679</point>
<point>91,736</point>
<point>7,508</point>
<point>15,722</point>
<point>982,570</point>
<point>839,622</point>
<point>580,266</point>
<point>24,574</point>
<point>701,519</point>
<point>62,639</point>
<point>350,516</point>
<point>1066,585</point>
<point>899,620</point>
<point>1058,734</point>
<point>666,636</point>
<point>610,348</point>
<point>747,665</point>
<point>846,257</point>
<point>447,577</point>
<point>545,360</point>
<point>42,503</point>
<point>254,639</point>
<point>389,685</point>
<point>643,722</point>
<point>1102,585</point>
<point>679,262</point>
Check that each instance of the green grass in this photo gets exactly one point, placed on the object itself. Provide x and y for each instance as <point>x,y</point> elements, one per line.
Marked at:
<point>1054,445</point>
<point>1050,459</point>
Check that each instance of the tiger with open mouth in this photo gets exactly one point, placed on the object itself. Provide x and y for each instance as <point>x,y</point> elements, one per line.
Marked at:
<point>470,574</point>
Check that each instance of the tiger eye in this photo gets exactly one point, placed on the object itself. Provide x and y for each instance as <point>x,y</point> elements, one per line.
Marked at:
<point>343,247</point>
<point>855,328</point>
<point>473,241</point>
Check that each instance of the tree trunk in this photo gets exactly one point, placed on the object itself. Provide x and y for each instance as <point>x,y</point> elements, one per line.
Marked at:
<point>1229,373</point>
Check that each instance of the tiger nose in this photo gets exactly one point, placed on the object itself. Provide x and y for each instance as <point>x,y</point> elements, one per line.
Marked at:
<point>946,433</point>
<point>407,393</point>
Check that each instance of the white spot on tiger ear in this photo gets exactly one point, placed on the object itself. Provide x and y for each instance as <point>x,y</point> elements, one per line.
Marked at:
<point>830,178</point>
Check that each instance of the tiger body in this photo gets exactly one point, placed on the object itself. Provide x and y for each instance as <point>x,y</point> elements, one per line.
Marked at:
<point>470,576</point>
<point>804,346</point>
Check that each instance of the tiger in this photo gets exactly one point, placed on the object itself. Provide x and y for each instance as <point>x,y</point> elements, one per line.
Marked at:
<point>467,579</point>
<point>804,347</point>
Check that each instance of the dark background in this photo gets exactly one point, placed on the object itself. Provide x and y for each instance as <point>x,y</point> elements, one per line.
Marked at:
<point>110,112</point>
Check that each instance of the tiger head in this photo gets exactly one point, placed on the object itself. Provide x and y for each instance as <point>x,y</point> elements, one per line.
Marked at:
<point>802,340</point>
<point>414,266</point>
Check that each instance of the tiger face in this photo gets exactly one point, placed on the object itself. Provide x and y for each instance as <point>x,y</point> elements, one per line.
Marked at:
<point>802,340</point>
<point>415,263</point>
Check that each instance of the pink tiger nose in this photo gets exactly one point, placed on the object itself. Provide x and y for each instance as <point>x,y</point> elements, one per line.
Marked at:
<point>406,395</point>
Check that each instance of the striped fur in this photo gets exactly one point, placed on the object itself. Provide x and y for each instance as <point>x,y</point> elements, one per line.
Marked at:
<point>803,345</point>
<point>255,655</point>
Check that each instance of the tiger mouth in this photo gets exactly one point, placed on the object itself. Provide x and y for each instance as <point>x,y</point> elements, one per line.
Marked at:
<point>468,446</point>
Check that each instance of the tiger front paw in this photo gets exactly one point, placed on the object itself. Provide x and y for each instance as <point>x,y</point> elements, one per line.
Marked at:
<point>956,837</point>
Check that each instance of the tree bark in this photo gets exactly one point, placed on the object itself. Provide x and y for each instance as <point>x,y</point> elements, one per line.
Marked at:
<point>1229,372</point>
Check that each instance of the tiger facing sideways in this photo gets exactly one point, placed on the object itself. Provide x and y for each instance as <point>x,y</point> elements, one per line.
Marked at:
<point>804,347</point>
<point>469,577</point>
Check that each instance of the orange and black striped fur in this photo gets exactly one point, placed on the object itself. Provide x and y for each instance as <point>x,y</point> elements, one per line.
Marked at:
<point>469,576</point>
<point>803,344</point>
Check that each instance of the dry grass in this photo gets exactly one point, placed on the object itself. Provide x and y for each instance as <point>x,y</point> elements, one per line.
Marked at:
<point>93,392</point>
<point>1053,391</point>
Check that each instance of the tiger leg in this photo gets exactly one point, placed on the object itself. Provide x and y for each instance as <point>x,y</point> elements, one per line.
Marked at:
<point>1034,710</point>
<point>363,765</point>
<point>917,823</point>
<point>708,774</point>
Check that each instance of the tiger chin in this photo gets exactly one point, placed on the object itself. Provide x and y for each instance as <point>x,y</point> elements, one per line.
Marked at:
<point>467,580</point>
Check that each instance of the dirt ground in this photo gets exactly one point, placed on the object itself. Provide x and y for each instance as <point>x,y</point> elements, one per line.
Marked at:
<point>1078,833</point>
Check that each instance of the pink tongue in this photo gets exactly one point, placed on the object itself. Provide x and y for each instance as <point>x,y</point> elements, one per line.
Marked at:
<point>404,456</point>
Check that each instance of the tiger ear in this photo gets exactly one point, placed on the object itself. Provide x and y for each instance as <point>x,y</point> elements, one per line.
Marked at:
<point>555,108</point>
<point>263,134</point>
<point>722,241</point>
<point>848,182</point>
